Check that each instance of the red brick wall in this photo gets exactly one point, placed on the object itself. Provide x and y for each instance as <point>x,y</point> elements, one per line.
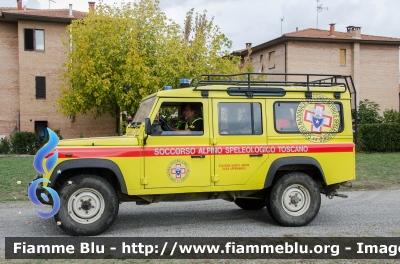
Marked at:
<point>374,67</point>
<point>9,97</point>
<point>379,82</point>
<point>48,63</point>
<point>318,58</point>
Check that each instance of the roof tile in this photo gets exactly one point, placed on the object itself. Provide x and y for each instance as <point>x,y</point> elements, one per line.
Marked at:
<point>50,13</point>
<point>325,34</point>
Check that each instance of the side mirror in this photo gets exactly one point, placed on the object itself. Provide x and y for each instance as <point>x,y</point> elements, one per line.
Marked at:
<point>147,126</point>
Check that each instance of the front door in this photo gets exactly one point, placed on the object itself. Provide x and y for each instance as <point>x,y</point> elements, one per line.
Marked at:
<point>240,140</point>
<point>176,159</point>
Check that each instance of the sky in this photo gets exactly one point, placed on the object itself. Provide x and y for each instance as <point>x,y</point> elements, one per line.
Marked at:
<point>258,21</point>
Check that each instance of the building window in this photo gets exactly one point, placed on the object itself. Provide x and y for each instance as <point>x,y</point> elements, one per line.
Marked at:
<point>34,39</point>
<point>343,57</point>
<point>41,129</point>
<point>271,61</point>
<point>40,87</point>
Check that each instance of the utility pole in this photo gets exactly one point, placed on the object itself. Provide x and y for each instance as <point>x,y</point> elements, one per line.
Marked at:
<point>319,9</point>
<point>282,19</point>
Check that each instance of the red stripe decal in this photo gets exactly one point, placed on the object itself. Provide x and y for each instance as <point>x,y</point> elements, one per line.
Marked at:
<point>94,152</point>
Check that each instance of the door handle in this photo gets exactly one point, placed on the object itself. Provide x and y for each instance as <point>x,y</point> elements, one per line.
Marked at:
<point>256,155</point>
<point>198,157</point>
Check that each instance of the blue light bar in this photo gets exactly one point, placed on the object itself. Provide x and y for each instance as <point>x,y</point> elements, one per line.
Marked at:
<point>167,87</point>
<point>184,83</point>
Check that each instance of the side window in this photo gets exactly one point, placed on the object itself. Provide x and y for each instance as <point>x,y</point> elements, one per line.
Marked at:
<point>33,39</point>
<point>285,117</point>
<point>271,60</point>
<point>239,119</point>
<point>176,119</point>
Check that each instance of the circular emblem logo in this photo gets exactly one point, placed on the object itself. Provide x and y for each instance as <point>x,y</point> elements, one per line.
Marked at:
<point>178,170</point>
<point>318,119</point>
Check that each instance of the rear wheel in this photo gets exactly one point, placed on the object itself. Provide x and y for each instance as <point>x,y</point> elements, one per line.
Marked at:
<point>268,205</point>
<point>89,205</point>
<point>250,204</point>
<point>294,200</point>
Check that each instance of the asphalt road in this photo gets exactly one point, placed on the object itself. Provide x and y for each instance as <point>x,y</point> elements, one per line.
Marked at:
<point>363,214</point>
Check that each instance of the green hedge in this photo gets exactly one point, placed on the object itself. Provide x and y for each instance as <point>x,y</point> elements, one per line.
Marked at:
<point>24,143</point>
<point>384,137</point>
<point>5,146</point>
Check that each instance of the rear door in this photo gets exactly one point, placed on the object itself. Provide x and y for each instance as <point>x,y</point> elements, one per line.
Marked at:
<point>239,138</point>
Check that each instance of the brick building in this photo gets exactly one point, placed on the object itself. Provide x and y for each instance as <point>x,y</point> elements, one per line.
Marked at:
<point>372,61</point>
<point>32,54</point>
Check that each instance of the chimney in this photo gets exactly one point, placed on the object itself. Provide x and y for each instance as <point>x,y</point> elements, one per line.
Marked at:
<point>248,45</point>
<point>91,6</point>
<point>19,4</point>
<point>354,31</point>
<point>332,29</point>
<point>297,28</point>
<point>70,9</point>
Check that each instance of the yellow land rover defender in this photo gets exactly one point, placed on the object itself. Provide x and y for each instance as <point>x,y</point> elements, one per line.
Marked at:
<point>258,140</point>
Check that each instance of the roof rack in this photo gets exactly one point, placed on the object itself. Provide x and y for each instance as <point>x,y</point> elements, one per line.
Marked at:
<point>255,81</point>
<point>277,84</point>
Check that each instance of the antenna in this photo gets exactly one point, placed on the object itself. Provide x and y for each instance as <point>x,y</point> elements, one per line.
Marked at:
<point>282,19</point>
<point>319,9</point>
<point>51,1</point>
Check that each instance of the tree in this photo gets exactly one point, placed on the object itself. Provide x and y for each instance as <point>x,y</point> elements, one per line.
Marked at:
<point>391,116</point>
<point>368,112</point>
<point>119,55</point>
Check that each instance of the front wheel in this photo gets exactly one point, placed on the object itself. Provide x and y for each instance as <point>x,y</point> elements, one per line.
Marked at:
<point>294,200</point>
<point>89,205</point>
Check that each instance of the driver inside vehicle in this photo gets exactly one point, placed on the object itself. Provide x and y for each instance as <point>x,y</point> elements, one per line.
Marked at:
<point>193,118</point>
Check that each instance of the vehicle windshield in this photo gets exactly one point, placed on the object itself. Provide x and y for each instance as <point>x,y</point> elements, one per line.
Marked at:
<point>144,110</point>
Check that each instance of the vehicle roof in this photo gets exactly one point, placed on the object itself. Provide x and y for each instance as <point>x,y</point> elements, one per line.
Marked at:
<point>220,91</point>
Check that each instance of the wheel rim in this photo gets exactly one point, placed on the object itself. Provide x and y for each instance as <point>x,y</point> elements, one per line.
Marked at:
<point>86,206</point>
<point>296,200</point>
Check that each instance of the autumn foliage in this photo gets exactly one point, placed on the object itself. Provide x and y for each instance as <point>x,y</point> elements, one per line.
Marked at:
<point>119,55</point>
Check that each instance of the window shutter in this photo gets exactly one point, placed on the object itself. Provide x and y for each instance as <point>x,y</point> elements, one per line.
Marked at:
<point>271,63</point>
<point>342,57</point>
<point>28,34</point>
<point>40,87</point>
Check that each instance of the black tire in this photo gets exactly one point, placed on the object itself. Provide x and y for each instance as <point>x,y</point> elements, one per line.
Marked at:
<point>295,200</point>
<point>268,205</point>
<point>250,204</point>
<point>89,205</point>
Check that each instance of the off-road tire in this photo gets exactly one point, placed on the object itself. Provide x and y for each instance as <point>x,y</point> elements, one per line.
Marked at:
<point>250,204</point>
<point>268,204</point>
<point>294,200</point>
<point>89,205</point>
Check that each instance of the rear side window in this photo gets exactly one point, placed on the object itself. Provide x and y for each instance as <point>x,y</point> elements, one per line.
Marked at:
<point>239,119</point>
<point>317,118</point>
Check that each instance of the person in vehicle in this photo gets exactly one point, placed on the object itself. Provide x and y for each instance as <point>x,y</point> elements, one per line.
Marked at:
<point>193,118</point>
<point>182,122</point>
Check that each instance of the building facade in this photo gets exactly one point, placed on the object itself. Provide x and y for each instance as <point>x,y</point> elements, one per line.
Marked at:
<point>372,61</point>
<point>32,54</point>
